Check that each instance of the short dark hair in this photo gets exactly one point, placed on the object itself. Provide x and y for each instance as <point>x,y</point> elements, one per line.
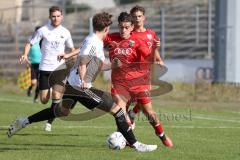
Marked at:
<point>101,20</point>
<point>137,8</point>
<point>54,9</point>
<point>125,17</point>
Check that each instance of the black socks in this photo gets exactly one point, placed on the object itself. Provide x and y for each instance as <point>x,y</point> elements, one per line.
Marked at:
<point>123,127</point>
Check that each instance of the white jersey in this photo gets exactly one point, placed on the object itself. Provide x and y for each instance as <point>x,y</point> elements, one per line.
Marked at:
<point>93,47</point>
<point>54,41</point>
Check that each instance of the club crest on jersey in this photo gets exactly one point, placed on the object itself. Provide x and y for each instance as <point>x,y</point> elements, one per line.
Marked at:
<point>131,43</point>
<point>149,36</point>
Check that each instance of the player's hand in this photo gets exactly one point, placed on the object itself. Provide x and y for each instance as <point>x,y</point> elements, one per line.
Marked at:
<point>157,42</point>
<point>23,59</point>
<point>62,56</point>
<point>160,62</point>
<point>110,45</point>
<point>85,85</point>
<point>116,63</point>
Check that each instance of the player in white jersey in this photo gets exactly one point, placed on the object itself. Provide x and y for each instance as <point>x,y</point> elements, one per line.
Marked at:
<point>54,40</point>
<point>90,61</point>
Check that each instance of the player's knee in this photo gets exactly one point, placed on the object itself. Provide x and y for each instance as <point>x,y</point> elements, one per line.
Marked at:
<point>107,103</point>
<point>61,111</point>
<point>44,97</point>
<point>34,82</point>
<point>44,100</point>
<point>65,111</point>
<point>58,90</point>
<point>56,94</point>
<point>67,105</point>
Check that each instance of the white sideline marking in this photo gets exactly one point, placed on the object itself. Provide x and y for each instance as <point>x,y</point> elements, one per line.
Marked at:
<point>13,100</point>
<point>216,119</point>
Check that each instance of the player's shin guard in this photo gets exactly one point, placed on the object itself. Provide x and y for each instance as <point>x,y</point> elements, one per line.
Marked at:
<point>123,127</point>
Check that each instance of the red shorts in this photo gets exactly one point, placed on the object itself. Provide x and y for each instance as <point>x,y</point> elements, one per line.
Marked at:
<point>139,94</point>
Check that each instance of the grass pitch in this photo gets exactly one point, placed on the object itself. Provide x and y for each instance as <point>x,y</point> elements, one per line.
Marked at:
<point>199,130</point>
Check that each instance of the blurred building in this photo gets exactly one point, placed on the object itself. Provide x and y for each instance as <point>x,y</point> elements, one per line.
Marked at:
<point>96,4</point>
<point>10,11</point>
<point>186,28</point>
<point>15,11</point>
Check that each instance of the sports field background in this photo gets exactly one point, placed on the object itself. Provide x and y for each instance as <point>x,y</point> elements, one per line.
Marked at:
<point>202,127</point>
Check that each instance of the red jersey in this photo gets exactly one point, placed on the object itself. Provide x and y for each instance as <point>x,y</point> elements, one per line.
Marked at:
<point>148,38</point>
<point>130,52</point>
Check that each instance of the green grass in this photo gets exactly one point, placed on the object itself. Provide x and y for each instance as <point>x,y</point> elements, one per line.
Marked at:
<point>200,130</point>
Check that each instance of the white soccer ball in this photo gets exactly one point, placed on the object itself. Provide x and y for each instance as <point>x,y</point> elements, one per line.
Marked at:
<point>116,141</point>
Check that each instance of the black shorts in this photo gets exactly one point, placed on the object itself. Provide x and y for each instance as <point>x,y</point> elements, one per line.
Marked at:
<point>44,80</point>
<point>48,79</point>
<point>34,71</point>
<point>90,98</point>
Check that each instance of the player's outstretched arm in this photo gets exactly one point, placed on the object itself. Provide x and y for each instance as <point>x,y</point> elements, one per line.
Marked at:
<point>73,53</point>
<point>157,58</point>
<point>82,70</point>
<point>106,66</point>
<point>24,57</point>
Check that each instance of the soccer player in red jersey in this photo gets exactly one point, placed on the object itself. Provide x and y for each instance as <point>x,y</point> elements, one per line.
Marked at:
<point>151,40</point>
<point>127,80</point>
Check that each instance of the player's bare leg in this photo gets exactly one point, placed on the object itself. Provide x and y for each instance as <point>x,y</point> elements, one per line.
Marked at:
<point>44,96</point>
<point>155,122</point>
<point>57,91</point>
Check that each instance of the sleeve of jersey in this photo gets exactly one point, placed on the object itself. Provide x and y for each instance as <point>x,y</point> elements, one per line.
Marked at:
<point>92,51</point>
<point>69,41</point>
<point>36,37</point>
<point>87,49</point>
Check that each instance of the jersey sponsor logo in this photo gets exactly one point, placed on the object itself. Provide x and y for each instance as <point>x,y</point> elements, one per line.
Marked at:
<point>123,51</point>
<point>55,44</point>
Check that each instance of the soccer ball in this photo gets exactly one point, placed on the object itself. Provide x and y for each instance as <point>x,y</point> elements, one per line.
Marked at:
<point>116,141</point>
